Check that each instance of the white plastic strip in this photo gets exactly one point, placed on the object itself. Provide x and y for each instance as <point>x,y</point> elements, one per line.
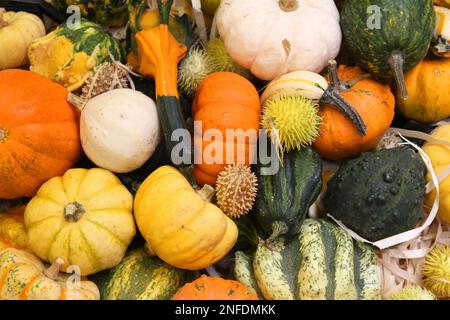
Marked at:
<point>200,22</point>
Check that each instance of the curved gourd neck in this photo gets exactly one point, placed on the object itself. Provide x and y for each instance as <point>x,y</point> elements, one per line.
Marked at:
<point>288,5</point>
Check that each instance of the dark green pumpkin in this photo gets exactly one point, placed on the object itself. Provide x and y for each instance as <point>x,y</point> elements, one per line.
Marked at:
<point>283,199</point>
<point>321,263</point>
<point>388,37</point>
<point>111,13</point>
<point>140,277</point>
<point>378,194</point>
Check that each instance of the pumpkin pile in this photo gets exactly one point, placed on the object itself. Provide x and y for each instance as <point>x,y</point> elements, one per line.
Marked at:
<point>190,150</point>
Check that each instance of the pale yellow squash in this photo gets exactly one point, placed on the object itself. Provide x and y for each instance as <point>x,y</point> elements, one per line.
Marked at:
<point>12,229</point>
<point>440,157</point>
<point>17,31</point>
<point>84,217</point>
<point>179,225</point>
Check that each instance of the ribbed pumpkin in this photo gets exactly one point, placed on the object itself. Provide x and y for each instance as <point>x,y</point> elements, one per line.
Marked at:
<point>180,226</point>
<point>84,217</point>
<point>388,37</point>
<point>440,158</point>
<point>69,54</point>
<point>17,31</point>
<point>39,136</point>
<point>284,198</point>
<point>210,288</point>
<point>24,277</point>
<point>427,84</point>
<point>12,229</point>
<point>373,101</point>
<point>322,263</point>
<point>225,100</point>
<point>139,277</point>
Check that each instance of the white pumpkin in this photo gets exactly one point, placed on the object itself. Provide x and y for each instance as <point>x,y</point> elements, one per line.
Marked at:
<point>273,37</point>
<point>120,130</point>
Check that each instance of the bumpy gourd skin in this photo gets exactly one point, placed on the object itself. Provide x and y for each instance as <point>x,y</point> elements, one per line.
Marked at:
<point>379,194</point>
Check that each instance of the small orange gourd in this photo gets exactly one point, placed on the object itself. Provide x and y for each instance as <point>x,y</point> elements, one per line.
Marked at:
<point>209,288</point>
<point>225,101</point>
<point>373,101</point>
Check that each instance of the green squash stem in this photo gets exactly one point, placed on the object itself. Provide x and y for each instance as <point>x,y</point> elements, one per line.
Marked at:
<point>396,62</point>
<point>278,229</point>
<point>332,96</point>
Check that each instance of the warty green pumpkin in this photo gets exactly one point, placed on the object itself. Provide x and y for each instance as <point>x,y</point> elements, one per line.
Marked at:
<point>388,37</point>
<point>283,199</point>
<point>378,194</point>
<point>140,277</point>
<point>322,263</point>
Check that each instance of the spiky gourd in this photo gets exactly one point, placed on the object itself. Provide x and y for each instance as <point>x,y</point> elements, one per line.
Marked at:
<point>236,190</point>
<point>436,271</point>
<point>413,292</point>
<point>220,60</point>
<point>194,68</point>
<point>292,122</point>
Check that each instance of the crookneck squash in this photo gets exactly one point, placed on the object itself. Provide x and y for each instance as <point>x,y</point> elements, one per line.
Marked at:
<point>69,54</point>
<point>109,13</point>
<point>17,31</point>
<point>321,263</point>
<point>181,226</point>
<point>140,277</point>
<point>210,288</point>
<point>157,56</point>
<point>24,277</point>
<point>378,194</point>
<point>284,198</point>
<point>440,158</point>
<point>388,37</point>
<point>373,101</point>
<point>225,101</point>
<point>428,85</point>
<point>84,218</point>
<point>12,229</point>
<point>39,136</point>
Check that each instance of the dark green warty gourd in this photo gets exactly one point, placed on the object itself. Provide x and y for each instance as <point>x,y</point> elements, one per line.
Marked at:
<point>379,194</point>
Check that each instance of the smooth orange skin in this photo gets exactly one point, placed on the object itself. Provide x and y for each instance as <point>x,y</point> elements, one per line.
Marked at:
<point>224,100</point>
<point>42,139</point>
<point>209,288</point>
<point>428,86</point>
<point>374,102</point>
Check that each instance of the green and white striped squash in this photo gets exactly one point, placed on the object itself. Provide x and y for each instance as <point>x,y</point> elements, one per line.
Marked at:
<point>69,54</point>
<point>322,263</point>
<point>140,277</point>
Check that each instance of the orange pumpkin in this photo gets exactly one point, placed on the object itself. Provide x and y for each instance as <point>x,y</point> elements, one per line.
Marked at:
<point>225,100</point>
<point>209,288</point>
<point>39,136</point>
<point>374,102</point>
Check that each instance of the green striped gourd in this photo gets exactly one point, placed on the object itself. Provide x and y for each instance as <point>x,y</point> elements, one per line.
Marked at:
<point>388,37</point>
<point>140,277</point>
<point>322,263</point>
<point>283,199</point>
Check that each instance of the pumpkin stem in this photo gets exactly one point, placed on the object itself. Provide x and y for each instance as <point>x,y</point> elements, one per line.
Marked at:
<point>332,96</point>
<point>3,23</point>
<point>3,134</point>
<point>53,271</point>
<point>206,193</point>
<point>77,101</point>
<point>396,62</point>
<point>74,211</point>
<point>278,228</point>
<point>288,5</point>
